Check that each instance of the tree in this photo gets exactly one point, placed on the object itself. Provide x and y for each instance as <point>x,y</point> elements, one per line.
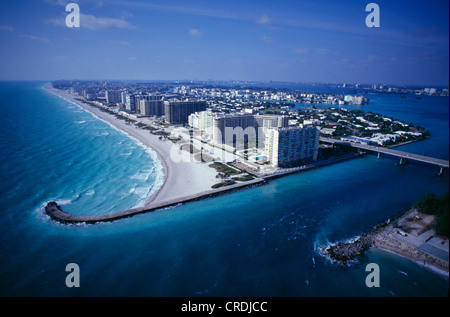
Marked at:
<point>438,206</point>
<point>428,204</point>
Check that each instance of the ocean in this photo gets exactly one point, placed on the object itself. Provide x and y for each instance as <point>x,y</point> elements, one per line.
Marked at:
<point>261,241</point>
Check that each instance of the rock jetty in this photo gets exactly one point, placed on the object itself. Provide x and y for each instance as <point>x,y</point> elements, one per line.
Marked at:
<point>346,252</point>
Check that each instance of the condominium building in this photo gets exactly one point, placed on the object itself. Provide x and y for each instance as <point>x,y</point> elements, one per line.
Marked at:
<point>130,103</point>
<point>177,112</point>
<point>202,121</point>
<point>123,97</point>
<point>292,146</point>
<point>113,96</point>
<point>151,107</point>
<point>235,130</point>
<point>244,128</point>
<point>271,121</point>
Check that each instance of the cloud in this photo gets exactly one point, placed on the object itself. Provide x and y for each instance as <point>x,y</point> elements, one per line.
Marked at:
<point>300,50</point>
<point>36,38</point>
<point>267,39</point>
<point>195,32</point>
<point>100,23</point>
<point>180,9</point>
<point>6,28</point>
<point>322,51</point>
<point>264,20</point>
<point>56,21</point>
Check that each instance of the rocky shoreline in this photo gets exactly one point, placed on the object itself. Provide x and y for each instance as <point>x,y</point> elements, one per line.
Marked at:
<point>345,253</point>
<point>389,236</point>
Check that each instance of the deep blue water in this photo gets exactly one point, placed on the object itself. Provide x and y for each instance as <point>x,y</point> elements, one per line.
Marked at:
<point>261,241</point>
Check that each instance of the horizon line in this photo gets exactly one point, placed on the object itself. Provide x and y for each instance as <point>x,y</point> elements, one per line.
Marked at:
<point>442,86</point>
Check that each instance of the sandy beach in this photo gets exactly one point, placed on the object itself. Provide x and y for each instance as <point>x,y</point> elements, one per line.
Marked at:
<point>420,244</point>
<point>181,178</point>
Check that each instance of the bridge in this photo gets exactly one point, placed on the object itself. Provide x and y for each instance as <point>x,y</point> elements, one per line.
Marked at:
<point>383,150</point>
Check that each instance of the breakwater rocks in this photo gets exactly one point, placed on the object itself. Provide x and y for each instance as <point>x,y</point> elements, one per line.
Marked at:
<point>345,253</point>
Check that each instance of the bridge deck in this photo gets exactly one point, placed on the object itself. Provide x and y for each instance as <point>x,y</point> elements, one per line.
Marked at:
<point>410,156</point>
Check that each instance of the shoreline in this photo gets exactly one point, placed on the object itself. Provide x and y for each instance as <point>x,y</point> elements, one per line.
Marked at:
<point>179,179</point>
<point>432,268</point>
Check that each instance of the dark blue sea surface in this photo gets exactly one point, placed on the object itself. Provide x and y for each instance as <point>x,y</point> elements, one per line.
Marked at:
<point>262,241</point>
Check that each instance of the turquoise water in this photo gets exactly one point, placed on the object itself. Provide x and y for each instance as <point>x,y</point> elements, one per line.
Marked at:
<point>261,241</point>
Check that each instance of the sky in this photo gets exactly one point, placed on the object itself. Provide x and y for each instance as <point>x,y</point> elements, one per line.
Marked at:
<point>255,40</point>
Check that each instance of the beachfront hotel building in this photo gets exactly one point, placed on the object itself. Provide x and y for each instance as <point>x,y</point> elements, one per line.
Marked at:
<point>177,112</point>
<point>234,129</point>
<point>244,129</point>
<point>292,146</point>
<point>113,96</point>
<point>202,121</point>
<point>150,108</point>
<point>130,103</point>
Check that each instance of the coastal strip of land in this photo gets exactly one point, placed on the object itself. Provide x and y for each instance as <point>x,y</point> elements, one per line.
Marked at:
<point>181,179</point>
<point>184,181</point>
<point>408,235</point>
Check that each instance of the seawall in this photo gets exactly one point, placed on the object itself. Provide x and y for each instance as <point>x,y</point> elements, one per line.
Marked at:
<point>56,213</point>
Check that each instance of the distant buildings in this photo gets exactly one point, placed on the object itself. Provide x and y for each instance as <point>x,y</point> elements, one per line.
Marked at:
<point>354,100</point>
<point>292,146</point>
<point>177,112</point>
<point>430,91</point>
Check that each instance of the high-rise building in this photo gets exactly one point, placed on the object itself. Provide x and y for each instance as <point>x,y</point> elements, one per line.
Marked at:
<point>152,107</point>
<point>292,146</point>
<point>248,128</point>
<point>140,97</point>
<point>177,112</point>
<point>202,121</point>
<point>235,130</point>
<point>123,97</point>
<point>113,96</point>
<point>271,121</point>
<point>130,104</point>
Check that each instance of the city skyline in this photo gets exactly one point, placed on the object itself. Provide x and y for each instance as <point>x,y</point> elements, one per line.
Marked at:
<point>289,41</point>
